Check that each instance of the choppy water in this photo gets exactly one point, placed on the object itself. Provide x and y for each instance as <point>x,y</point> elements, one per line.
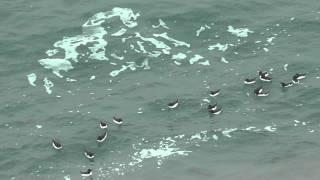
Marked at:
<point>67,65</point>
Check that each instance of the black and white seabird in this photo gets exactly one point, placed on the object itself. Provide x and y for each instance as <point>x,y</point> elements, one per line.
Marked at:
<point>88,154</point>
<point>118,121</point>
<point>216,111</point>
<point>259,92</point>
<point>250,81</point>
<point>263,73</point>
<point>214,93</point>
<point>297,77</point>
<point>300,76</point>
<point>212,107</point>
<point>102,137</point>
<point>285,85</point>
<point>56,144</point>
<point>86,173</point>
<point>103,125</point>
<point>173,104</point>
<point>265,78</point>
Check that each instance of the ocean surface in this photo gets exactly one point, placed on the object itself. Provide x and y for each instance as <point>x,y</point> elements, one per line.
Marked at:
<point>67,65</point>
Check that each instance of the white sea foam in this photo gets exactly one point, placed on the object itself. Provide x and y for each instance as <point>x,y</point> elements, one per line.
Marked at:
<point>166,147</point>
<point>121,32</point>
<point>215,137</point>
<point>93,38</point>
<point>227,132</point>
<point>179,56</point>
<point>70,80</point>
<point>160,153</point>
<point>270,128</point>
<point>67,177</point>
<point>161,24</point>
<point>205,63</point>
<point>131,65</point>
<point>140,44</point>
<point>270,39</point>
<point>224,60</point>
<point>195,59</point>
<point>250,128</point>
<point>220,47</point>
<point>52,52</point>
<point>116,56</point>
<point>201,29</point>
<point>116,72</point>
<point>196,136</point>
<point>240,32</point>
<point>92,77</point>
<point>126,15</point>
<point>56,65</point>
<point>176,43</point>
<point>39,126</point>
<point>93,34</point>
<point>48,85</point>
<point>158,44</point>
<point>32,78</point>
<point>177,63</point>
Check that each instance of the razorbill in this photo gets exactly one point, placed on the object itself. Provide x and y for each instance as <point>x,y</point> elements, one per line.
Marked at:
<point>250,81</point>
<point>102,137</point>
<point>86,173</point>
<point>173,104</point>
<point>103,125</point>
<point>214,93</point>
<point>56,144</point>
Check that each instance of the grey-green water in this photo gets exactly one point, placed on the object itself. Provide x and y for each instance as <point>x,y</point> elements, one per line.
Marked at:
<point>102,66</point>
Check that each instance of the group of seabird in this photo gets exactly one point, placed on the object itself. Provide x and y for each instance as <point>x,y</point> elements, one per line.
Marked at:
<point>100,138</point>
<point>295,80</point>
<point>212,109</point>
<point>264,76</point>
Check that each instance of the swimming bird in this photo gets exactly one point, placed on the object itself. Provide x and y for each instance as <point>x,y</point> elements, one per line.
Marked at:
<point>285,85</point>
<point>216,111</point>
<point>102,137</point>
<point>297,77</point>
<point>103,125</point>
<point>250,81</point>
<point>263,73</point>
<point>118,121</point>
<point>88,154</point>
<point>212,107</point>
<point>86,173</point>
<point>259,92</point>
<point>173,104</point>
<point>214,93</point>
<point>264,76</point>
<point>56,144</point>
